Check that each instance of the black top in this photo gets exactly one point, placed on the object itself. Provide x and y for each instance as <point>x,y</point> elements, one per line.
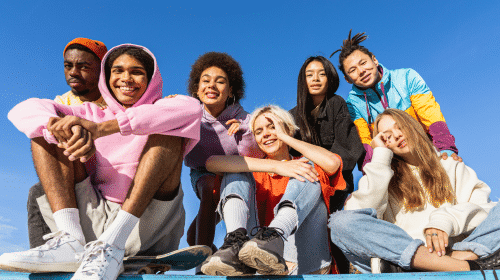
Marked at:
<point>338,134</point>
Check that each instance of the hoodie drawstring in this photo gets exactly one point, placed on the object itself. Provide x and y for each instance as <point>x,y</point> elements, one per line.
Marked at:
<point>385,103</point>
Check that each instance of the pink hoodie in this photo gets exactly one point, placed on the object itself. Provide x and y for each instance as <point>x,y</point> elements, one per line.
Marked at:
<point>115,162</point>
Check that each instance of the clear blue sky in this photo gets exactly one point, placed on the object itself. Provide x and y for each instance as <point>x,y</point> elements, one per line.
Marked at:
<point>454,45</point>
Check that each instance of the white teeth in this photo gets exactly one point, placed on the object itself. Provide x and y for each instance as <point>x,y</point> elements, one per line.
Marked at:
<point>126,88</point>
<point>402,144</point>
<point>268,142</point>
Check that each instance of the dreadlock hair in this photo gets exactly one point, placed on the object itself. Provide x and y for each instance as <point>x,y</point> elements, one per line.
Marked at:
<point>305,104</point>
<point>404,186</point>
<point>349,46</point>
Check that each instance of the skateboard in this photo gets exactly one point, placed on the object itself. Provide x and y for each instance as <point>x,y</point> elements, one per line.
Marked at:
<point>183,259</point>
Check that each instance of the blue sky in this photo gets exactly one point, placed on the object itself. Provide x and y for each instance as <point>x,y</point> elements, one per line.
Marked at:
<point>454,45</point>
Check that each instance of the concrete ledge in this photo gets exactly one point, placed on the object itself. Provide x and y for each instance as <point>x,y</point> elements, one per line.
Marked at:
<point>415,276</point>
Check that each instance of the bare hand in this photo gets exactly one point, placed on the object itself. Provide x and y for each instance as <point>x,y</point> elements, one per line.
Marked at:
<point>379,141</point>
<point>279,127</point>
<point>298,169</point>
<point>454,156</point>
<point>61,127</point>
<point>235,126</point>
<point>437,239</point>
<point>61,135</point>
<point>171,96</point>
<point>80,145</point>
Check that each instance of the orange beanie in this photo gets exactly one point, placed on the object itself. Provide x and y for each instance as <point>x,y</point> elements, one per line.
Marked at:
<point>96,47</point>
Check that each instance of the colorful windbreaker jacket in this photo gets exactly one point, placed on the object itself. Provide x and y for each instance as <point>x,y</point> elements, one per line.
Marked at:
<point>405,90</point>
<point>113,166</point>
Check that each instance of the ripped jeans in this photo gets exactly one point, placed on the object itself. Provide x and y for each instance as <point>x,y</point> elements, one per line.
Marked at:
<point>308,246</point>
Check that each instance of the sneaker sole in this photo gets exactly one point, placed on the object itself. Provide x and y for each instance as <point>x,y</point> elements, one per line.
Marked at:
<point>216,267</point>
<point>265,262</point>
<point>40,268</point>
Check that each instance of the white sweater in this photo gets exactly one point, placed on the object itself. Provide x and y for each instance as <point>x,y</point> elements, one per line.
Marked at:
<point>471,207</point>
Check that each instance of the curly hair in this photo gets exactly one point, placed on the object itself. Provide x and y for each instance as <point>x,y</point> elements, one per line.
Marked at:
<point>222,61</point>
<point>349,46</point>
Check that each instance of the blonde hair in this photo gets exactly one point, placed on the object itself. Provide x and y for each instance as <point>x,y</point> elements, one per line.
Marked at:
<point>404,186</point>
<point>284,116</point>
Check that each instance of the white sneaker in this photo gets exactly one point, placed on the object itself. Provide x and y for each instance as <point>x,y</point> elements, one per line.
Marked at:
<point>101,262</point>
<point>59,254</point>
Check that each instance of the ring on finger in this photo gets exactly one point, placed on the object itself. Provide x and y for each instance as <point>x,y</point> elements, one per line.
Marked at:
<point>434,234</point>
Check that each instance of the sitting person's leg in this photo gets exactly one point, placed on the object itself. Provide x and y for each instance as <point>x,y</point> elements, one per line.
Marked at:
<point>37,227</point>
<point>265,251</point>
<point>236,206</point>
<point>346,227</point>
<point>386,241</point>
<point>308,246</point>
<point>151,214</point>
<point>482,246</point>
<point>58,176</point>
<point>202,231</point>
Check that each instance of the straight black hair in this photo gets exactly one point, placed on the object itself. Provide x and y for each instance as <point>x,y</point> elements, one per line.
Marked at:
<point>305,104</point>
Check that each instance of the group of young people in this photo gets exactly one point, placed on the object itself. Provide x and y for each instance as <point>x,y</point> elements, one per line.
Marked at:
<point>109,155</point>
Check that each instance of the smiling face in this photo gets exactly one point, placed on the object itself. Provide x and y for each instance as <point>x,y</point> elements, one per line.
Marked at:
<point>316,79</point>
<point>214,90</point>
<point>81,70</point>
<point>128,80</point>
<point>265,136</point>
<point>361,69</point>
<point>395,139</point>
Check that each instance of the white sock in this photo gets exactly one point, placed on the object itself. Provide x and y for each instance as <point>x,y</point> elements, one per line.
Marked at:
<point>286,219</point>
<point>68,220</point>
<point>118,232</point>
<point>235,214</point>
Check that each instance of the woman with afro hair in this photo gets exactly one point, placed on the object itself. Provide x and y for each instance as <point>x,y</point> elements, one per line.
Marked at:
<point>216,79</point>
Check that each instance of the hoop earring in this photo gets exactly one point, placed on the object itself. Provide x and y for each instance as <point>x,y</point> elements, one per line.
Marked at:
<point>230,101</point>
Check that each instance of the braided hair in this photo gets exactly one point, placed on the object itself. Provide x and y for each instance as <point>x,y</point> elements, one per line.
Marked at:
<point>349,46</point>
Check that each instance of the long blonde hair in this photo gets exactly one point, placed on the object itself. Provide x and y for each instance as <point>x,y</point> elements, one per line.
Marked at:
<point>404,186</point>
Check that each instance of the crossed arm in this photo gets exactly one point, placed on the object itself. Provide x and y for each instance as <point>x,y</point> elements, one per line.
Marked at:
<point>76,135</point>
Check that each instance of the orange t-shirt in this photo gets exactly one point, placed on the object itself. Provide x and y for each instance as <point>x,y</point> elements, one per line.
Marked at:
<point>271,187</point>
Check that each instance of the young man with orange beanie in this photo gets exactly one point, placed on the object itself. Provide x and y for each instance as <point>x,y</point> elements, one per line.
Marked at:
<point>82,66</point>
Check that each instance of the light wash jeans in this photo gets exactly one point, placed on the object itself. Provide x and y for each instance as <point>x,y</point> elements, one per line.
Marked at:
<point>361,236</point>
<point>308,246</point>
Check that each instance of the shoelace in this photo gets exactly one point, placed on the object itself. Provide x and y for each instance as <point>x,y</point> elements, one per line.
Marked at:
<point>234,238</point>
<point>94,259</point>
<point>266,233</point>
<point>484,274</point>
<point>54,239</point>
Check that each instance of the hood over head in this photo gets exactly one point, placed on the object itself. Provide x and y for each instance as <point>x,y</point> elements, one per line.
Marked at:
<point>153,91</point>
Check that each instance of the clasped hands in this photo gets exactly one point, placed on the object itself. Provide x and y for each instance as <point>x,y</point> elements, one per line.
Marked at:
<point>75,135</point>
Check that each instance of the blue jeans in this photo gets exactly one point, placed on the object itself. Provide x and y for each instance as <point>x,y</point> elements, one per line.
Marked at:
<point>308,246</point>
<point>361,236</point>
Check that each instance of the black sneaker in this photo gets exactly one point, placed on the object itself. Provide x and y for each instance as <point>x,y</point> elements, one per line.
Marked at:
<point>383,266</point>
<point>490,262</point>
<point>265,252</point>
<point>225,261</point>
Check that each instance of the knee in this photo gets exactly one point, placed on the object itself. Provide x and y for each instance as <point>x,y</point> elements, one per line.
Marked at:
<point>35,192</point>
<point>342,223</point>
<point>206,186</point>
<point>172,145</point>
<point>237,183</point>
